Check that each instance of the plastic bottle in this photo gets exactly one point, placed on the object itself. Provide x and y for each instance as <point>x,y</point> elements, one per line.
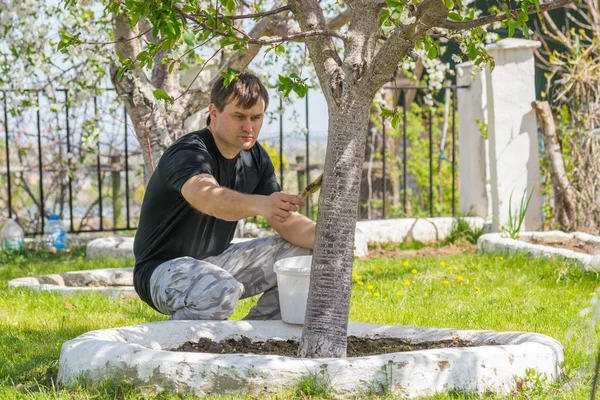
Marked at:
<point>12,235</point>
<point>55,234</point>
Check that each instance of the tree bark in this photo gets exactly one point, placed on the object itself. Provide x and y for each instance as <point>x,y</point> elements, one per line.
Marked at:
<point>326,323</point>
<point>564,196</point>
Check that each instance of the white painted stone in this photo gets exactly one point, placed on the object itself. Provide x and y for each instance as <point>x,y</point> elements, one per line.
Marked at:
<point>122,246</point>
<point>419,229</point>
<point>139,354</point>
<point>500,243</point>
<point>108,281</point>
<point>111,246</point>
<point>371,231</point>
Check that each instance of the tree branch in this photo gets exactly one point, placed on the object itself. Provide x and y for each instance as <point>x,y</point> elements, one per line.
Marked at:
<point>322,50</point>
<point>261,14</point>
<point>489,19</point>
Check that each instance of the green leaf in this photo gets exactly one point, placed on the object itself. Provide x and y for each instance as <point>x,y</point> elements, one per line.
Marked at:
<point>162,95</point>
<point>472,52</point>
<point>385,112</point>
<point>393,3</point>
<point>522,17</point>
<point>121,71</point>
<point>454,16</point>
<point>189,38</point>
<point>285,79</point>
<point>432,52</point>
<point>229,76</point>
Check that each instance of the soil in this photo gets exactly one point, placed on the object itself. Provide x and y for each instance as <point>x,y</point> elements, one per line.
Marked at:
<point>449,250</point>
<point>357,347</point>
<point>570,244</point>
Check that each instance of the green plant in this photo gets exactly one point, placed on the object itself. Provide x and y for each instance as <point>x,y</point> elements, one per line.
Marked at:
<point>315,384</point>
<point>515,221</point>
<point>462,231</point>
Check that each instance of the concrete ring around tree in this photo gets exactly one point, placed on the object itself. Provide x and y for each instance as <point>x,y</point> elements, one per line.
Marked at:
<point>108,281</point>
<point>139,355</point>
<point>501,243</point>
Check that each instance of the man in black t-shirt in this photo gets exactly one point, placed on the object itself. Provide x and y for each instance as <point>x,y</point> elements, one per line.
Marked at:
<point>185,264</point>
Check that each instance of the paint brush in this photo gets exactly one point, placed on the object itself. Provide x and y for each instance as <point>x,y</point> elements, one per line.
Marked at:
<point>312,187</point>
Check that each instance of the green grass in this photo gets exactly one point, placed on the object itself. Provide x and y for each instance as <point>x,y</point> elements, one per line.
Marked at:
<point>466,291</point>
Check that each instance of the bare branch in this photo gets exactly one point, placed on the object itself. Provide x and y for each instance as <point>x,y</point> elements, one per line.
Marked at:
<point>261,14</point>
<point>489,19</point>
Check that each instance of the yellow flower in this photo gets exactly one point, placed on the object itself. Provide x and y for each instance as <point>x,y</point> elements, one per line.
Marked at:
<point>360,283</point>
<point>405,263</point>
<point>376,294</point>
<point>446,283</point>
<point>500,258</point>
<point>389,268</point>
<point>414,271</point>
<point>449,268</point>
<point>399,293</point>
<point>356,276</point>
<point>443,264</point>
<point>370,287</point>
<point>406,283</point>
<point>477,288</point>
<point>372,267</point>
<point>460,278</point>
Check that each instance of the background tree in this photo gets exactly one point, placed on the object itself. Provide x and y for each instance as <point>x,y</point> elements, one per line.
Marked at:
<point>351,65</point>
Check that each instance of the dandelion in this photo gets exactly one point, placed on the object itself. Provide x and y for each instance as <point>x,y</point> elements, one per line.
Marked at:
<point>414,271</point>
<point>477,289</point>
<point>389,268</point>
<point>376,294</point>
<point>370,287</point>
<point>500,258</point>
<point>406,283</point>
<point>449,268</point>
<point>443,264</point>
<point>399,293</point>
<point>356,276</point>
<point>372,267</point>
<point>360,283</point>
<point>460,278</point>
<point>405,263</point>
<point>446,283</point>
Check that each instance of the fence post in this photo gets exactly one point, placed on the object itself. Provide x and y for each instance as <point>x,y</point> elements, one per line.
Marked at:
<point>115,176</point>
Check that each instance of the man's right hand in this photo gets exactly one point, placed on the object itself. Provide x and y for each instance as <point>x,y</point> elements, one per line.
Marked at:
<point>279,206</point>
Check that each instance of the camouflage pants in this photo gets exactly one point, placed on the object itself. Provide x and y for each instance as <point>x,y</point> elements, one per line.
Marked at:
<point>186,288</point>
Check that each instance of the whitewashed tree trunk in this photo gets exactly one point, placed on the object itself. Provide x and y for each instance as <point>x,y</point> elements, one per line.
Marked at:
<point>326,324</point>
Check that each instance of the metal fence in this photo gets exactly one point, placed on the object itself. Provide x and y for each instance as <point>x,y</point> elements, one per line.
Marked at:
<point>72,161</point>
<point>85,164</point>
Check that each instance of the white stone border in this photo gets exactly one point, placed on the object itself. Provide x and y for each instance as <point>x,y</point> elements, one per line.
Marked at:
<point>498,242</point>
<point>371,231</point>
<point>108,281</point>
<point>138,354</point>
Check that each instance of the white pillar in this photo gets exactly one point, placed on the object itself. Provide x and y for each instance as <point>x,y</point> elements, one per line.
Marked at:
<point>472,111</point>
<point>512,129</point>
<point>507,161</point>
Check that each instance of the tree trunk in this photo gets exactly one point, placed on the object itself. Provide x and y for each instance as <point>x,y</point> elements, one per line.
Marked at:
<point>326,324</point>
<point>564,196</point>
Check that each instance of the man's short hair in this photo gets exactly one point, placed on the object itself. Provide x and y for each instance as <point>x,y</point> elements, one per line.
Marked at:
<point>246,90</point>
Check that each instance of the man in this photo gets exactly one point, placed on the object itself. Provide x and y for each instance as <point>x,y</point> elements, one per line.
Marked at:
<point>204,183</point>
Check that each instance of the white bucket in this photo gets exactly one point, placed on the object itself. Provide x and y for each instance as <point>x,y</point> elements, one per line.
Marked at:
<point>293,278</point>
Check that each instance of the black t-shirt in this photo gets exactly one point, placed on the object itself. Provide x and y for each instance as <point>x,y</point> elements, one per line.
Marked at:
<point>169,226</point>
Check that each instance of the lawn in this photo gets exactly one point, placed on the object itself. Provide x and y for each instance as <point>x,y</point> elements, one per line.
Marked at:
<point>464,291</point>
